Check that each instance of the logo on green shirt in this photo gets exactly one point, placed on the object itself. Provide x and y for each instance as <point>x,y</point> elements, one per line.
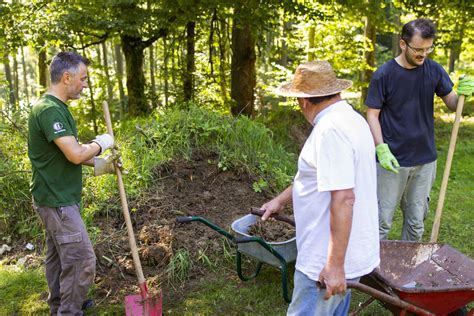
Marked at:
<point>58,127</point>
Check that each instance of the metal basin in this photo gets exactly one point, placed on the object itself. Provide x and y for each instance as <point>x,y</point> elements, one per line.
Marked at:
<point>287,249</point>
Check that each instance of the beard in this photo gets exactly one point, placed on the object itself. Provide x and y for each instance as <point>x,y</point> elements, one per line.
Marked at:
<point>414,61</point>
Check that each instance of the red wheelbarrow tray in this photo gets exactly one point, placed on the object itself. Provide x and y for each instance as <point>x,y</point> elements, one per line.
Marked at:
<point>432,276</point>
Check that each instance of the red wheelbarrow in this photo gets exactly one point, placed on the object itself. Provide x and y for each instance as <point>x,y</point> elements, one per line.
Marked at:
<point>421,279</point>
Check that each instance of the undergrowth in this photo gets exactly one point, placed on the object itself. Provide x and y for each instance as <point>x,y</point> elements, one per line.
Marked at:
<point>240,143</point>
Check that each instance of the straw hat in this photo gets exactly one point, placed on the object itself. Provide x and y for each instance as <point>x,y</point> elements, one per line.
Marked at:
<point>313,79</point>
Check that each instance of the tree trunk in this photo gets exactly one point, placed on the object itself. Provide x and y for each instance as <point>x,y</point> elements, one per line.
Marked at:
<point>25,78</point>
<point>9,78</point>
<point>91,92</point>
<point>284,45</point>
<point>243,77</point>
<point>152,66</point>
<point>173,60</point>
<point>110,94</point>
<point>42,72</point>
<point>133,50</point>
<point>188,77</point>
<point>16,83</point>
<point>165,70</point>
<point>151,52</point>
<point>455,50</point>
<point>311,33</point>
<point>222,61</point>
<point>396,39</point>
<point>370,33</point>
<point>119,72</point>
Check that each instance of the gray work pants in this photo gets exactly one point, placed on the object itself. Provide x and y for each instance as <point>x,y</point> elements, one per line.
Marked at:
<point>70,259</point>
<point>411,188</point>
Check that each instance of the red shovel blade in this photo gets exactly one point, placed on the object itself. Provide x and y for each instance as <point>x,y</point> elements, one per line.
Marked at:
<point>135,305</point>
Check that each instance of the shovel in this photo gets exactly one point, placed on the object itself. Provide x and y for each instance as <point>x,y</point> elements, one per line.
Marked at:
<point>143,303</point>
<point>447,169</point>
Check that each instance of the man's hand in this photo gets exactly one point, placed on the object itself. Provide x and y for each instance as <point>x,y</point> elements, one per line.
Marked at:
<point>334,278</point>
<point>274,206</point>
<point>386,158</point>
<point>107,165</point>
<point>465,86</point>
<point>105,141</point>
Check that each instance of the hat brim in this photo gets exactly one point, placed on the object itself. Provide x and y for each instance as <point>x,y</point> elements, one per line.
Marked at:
<point>286,90</point>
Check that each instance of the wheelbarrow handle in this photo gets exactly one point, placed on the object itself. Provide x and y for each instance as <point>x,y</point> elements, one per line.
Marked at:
<point>282,218</point>
<point>393,300</point>
<point>188,219</point>
<point>185,219</point>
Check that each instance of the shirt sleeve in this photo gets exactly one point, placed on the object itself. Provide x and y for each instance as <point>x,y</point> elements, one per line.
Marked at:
<point>445,85</point>
<point>54,124</point>
<point>375,93</point>
<point>335,162</point>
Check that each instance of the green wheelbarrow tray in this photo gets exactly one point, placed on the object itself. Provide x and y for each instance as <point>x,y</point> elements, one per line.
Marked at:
<point>277,254</point>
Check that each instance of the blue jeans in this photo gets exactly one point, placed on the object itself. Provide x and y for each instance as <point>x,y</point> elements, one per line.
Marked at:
<point>308,299</point>
<point>411,188</point>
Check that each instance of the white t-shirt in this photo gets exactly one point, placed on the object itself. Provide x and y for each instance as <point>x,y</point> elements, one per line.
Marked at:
<point>339,154</point>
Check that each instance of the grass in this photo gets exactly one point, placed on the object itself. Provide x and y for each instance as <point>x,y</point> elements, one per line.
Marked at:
<point>22,291</point>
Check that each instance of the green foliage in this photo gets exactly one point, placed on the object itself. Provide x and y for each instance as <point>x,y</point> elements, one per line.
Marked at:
<point>179,266</point>
<point>239,142</point>
<point>16,213</point>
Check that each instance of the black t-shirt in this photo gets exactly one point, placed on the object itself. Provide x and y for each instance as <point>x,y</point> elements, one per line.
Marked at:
<point>406,100</point>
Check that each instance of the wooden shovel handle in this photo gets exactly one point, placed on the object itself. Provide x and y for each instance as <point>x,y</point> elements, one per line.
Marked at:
<point>259,212</point>
<point>447,169</point>
<point>123,199</point>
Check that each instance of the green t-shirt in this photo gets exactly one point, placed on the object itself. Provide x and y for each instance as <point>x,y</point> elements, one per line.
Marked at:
<point>56,181</point>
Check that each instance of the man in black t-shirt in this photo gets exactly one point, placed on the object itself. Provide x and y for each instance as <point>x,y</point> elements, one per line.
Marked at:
<point>400,110</point>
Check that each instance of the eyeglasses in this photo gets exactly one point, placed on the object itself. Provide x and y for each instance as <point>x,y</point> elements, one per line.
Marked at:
<point>420,51</point>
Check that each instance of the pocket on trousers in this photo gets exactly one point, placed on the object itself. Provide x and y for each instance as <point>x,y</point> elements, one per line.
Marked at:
<point>69,238</point>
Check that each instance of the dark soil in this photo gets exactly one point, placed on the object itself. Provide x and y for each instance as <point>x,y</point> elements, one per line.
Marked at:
<point>272,230</point>
<point>181,188</point>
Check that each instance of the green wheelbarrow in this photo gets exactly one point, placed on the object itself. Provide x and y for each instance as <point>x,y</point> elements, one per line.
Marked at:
<point>277,254</point>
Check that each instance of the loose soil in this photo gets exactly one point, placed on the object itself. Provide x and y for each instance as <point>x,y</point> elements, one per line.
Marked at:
<point>194,187</point>
<point>272,230</point>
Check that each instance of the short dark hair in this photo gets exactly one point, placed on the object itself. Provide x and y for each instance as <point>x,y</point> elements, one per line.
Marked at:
<point>63,62</point>
<point>425,27</point>
<point>317,100</point>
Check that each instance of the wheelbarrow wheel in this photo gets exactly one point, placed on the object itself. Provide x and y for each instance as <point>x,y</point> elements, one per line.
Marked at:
<point>459,312</point>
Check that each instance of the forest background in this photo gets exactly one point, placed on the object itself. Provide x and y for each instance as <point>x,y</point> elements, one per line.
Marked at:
<point>157,62</point>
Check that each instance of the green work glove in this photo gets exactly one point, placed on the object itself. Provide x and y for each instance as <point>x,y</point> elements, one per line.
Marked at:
<point>106,165</point>
<point>465,86</point>
<point>386,159</point>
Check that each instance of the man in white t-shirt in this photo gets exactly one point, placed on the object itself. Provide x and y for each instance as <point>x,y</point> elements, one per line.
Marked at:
<point>334,194</point>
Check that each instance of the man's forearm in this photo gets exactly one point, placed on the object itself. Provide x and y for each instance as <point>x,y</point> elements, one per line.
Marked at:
<point>374,125</point>
<point>342,203</point>
<point>451,100</point>
<point>285,197</point>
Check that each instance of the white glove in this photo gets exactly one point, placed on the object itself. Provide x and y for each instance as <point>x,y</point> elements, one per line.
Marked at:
<point>105,141</point>
<point>107,165</point>
<point>104,165</point>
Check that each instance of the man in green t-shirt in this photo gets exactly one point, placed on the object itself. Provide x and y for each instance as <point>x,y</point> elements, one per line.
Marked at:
<point>57,157</point>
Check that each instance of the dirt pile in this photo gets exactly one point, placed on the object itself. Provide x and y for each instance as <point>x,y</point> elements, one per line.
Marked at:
<point>181,188</point>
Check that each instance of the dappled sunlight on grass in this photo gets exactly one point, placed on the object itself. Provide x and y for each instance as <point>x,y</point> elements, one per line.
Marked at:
<point>21,290</point>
